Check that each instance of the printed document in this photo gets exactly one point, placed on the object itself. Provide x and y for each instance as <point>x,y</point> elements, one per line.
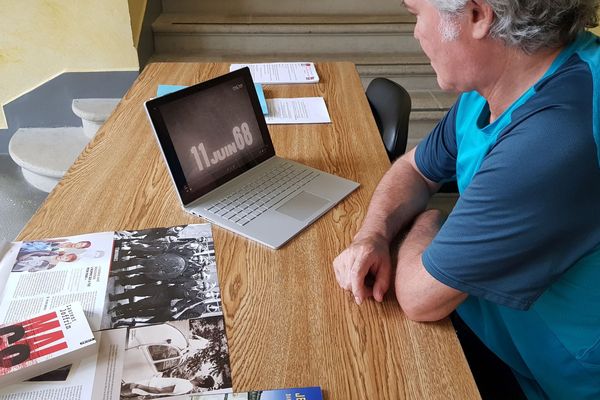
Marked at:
<point>301,110</point>
<point>281,73</point>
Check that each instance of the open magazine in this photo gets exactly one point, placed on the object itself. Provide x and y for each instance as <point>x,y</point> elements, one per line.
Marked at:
<point>151,297</point>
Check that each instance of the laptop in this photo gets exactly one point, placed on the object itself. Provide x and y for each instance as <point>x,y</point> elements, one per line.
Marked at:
<point>215,141</point>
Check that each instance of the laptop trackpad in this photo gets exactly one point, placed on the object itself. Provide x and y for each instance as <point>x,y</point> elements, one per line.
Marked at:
<point>303,205</point>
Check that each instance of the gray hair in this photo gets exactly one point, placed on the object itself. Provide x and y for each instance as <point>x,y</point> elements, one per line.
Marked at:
<point>534,24</point>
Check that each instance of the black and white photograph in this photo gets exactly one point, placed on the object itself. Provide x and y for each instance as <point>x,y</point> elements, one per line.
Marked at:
<point>176,358</point>
<point>162,274</point>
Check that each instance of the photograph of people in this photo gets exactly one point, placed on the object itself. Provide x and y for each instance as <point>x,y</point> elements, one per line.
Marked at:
<point>41,260</point>
<point>162,274</point>
<point>176,358</point>
<point>52,245</point>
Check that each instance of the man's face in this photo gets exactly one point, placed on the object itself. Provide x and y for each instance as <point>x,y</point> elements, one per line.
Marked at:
<point>441,38</point>
<point>64,257</point>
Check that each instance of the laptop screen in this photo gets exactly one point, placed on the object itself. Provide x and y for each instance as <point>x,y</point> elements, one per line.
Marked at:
<point>211,132</point>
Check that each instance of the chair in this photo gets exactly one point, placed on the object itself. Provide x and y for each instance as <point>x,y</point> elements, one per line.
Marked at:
<point>391,105</point>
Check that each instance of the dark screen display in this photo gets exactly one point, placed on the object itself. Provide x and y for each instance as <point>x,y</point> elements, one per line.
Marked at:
<point>215,135</point>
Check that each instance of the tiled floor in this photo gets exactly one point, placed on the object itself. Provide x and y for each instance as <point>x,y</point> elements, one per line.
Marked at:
<point>18,199</point>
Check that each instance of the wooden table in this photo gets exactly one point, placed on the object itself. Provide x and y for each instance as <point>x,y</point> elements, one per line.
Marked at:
<point>288,322</point>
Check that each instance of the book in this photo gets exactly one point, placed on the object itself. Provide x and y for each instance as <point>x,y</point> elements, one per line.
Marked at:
<point>281,73</point>
<point>151,297</point>
<point>305,393</point>
<point>43,343</point>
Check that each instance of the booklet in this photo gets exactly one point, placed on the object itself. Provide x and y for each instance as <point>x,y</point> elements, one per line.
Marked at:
<point>159,284</point>
<point>43,343</point>
<point>93,377</point>
<point>301,110</point>
<point>307,393</point>
<point>281,72</point>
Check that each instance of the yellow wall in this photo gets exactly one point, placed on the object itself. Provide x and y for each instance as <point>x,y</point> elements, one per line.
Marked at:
<point>136,11</point>
<point>41,39</point>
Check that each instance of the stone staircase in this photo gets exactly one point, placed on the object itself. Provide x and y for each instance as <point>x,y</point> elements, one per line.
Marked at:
<point>377,36</point>
<point>45,154</point>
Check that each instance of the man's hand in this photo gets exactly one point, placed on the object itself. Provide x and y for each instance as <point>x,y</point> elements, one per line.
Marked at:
<point>366,256</point>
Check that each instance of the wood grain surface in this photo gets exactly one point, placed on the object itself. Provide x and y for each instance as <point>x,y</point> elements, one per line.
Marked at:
<point>288,322</point>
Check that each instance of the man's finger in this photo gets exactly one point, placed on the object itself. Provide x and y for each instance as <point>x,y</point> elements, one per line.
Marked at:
<point>341,271</point>
<point>383,278</point>
<point>358,272</point>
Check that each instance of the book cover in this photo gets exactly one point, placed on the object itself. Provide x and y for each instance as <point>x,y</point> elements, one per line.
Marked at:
<point>43,343</point>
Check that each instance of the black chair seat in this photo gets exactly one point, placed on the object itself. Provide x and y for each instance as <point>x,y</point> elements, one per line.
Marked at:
<point>391,106</point>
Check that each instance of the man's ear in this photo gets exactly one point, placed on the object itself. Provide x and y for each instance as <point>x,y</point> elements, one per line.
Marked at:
<point>481,17</point>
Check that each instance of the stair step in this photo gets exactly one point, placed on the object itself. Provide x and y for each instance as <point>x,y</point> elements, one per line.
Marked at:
<point>45,154</point>
<point>412,71</point>
<point>370,60</point>
<point>93,113</point>
<point>432,101</point>
<point>18,200</point>
<point>428,108</point>
<point>261,7</point>
<point>246,35</point>
<point>428,103</point>
<point>94,109</point>
<point>286,23</point>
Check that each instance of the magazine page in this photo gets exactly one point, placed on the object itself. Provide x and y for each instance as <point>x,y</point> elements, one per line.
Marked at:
<point>49,273</point>
<point>162,274</point>
<point>8,255</point>
<point>77,381</point>
<point>175,359</point>
<point>109,365</point>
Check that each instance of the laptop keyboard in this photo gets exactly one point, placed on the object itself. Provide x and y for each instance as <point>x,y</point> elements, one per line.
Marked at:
<point>262,194</point>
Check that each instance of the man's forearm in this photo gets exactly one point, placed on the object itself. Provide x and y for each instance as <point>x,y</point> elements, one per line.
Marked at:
<point>399,197</point>
<point>420,295</point>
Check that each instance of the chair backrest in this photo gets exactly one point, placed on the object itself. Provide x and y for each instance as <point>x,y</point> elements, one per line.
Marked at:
<point>391,106</point>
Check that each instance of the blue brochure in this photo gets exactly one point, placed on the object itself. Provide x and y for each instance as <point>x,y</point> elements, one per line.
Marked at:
<point>166,89</point>
<point>306,393</point>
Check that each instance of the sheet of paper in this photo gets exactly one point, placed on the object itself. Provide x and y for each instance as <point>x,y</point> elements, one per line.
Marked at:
<point>301,110</point>
<point>281,73</point>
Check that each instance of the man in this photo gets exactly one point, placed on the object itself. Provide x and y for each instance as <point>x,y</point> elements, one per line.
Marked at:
<point>519,256</point>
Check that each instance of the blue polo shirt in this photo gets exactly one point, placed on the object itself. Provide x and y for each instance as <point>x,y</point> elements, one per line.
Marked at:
<point>524,237</point>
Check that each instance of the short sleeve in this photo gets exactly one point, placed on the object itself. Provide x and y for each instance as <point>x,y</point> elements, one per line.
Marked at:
<point>530,212</point>
<point>435,156</point>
